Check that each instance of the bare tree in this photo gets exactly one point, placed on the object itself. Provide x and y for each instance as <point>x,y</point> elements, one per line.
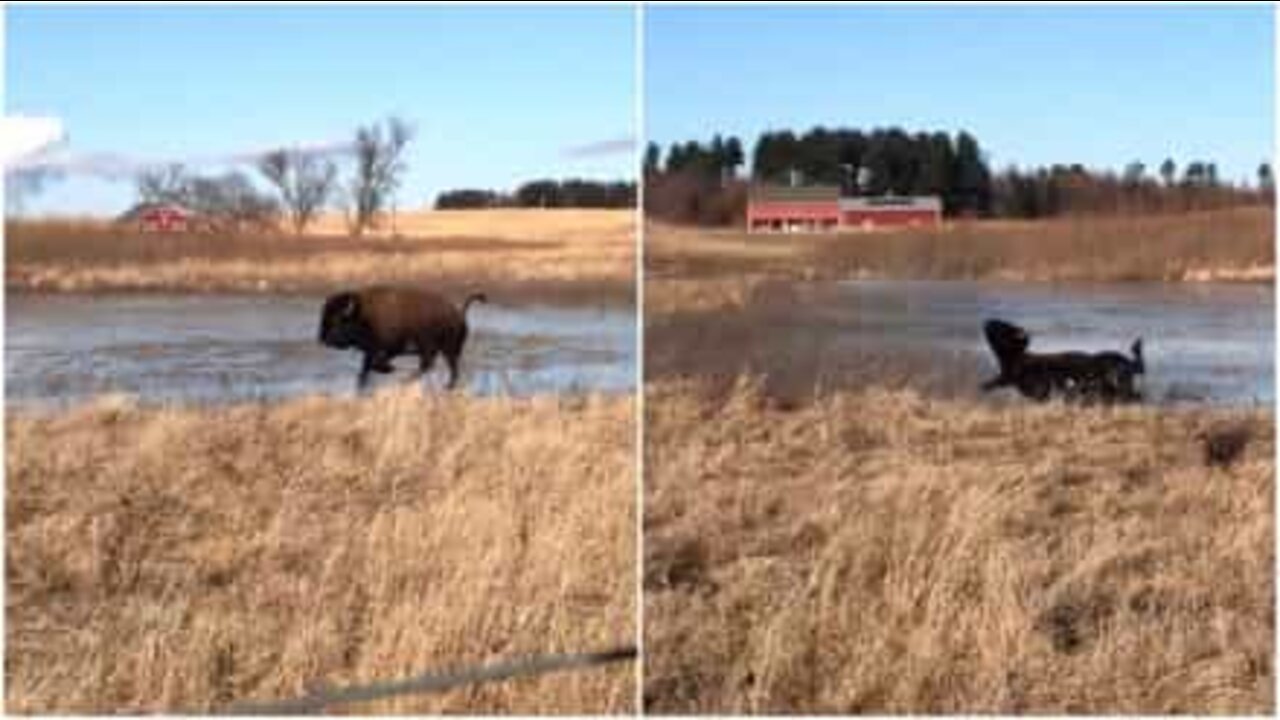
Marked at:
<point>305,183</point>
<point>165,184</point>
<point>1168,171</point>
<point>23,183</point>
<point>230,203</point>
<point>379,169</point>
<point>227,202</point>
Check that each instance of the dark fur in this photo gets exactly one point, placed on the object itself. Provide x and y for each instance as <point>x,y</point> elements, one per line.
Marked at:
<point>1224,445</point>
<point>384,322</point>
<point>1075,376</point>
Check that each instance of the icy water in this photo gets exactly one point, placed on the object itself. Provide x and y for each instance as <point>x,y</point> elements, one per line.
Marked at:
<point>224,348</point>
<point>1202,342</point>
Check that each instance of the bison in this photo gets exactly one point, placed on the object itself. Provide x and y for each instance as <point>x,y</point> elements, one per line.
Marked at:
<point>1107,376</point>
<point>383,322</point>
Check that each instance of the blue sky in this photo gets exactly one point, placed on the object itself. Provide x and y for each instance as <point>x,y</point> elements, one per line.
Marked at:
<point>498,94</point>
<point>1102,86</point>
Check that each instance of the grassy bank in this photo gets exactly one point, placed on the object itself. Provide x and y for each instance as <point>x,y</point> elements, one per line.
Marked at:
<point>186,559</point>
<point>880,552</point>
<point>1232,245</point>
<point>545,255</point>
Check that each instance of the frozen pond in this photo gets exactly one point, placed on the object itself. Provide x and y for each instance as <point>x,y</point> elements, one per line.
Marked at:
<point>219,348</point>
<point>1212,343</point>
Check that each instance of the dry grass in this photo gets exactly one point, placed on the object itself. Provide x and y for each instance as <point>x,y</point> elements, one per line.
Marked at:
<point>881,552</point>
<point>546,253</point>
<point>513,224</point>
<point>166,559</point>
<point>1236,244</point>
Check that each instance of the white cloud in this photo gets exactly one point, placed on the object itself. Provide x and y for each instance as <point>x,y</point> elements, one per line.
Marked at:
<point>23,138</point>
<point>612,146</point>
<point>39,145</point>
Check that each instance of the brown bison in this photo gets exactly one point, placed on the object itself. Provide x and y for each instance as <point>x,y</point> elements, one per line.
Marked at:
<point>1108,377</point>
<point>384,322</point>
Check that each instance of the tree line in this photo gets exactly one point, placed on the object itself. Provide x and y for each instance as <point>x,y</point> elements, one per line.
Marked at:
<point>701,182</point>
<point>1074,190</point>
<point>573,193</point>
<point>302,184</point>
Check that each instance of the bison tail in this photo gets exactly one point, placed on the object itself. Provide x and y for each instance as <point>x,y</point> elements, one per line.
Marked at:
<point>1138,362</point>
<point>473,297</point>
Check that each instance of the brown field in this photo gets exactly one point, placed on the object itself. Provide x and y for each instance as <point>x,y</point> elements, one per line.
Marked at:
<point>165,559</point>
<point>879,551</point>
<point>512,224</point>
<point>571,255</point>
<point>1235,244</point>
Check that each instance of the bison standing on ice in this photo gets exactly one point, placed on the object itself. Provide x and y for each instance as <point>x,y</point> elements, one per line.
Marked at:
<point>384,322</point>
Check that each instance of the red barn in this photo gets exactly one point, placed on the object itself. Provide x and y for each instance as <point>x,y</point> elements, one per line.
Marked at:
<point>164,218</point>
<point>891,211</point>
<point>159,217</point>
<point>820,208</point>
<point>773,208</point>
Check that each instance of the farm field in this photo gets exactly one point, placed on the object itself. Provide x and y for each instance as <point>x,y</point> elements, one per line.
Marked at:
<point>562,256</point>
<point>168,559</point>
<point>1220,245</point>
<point>881,551</point>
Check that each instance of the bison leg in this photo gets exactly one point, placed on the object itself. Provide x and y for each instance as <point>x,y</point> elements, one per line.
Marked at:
<point>374,362</point>
<point>452,360</point>
<point>366,367</point>
<point>452,350</point>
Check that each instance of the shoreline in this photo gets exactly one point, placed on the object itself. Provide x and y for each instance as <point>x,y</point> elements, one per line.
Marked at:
<point>562,257</point>
<point>1256,275</point>
<point>553,293</point>
<point>117,400</point>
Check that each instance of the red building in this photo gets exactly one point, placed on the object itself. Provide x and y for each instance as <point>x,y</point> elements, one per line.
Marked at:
<point>775,208</point>
<point>820,208</point>
<point>159,217</point>
<point>164,218</point>
<point>890,211</point>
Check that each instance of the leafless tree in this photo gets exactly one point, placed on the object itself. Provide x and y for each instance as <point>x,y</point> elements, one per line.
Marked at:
<point>305,183</point>
<point>23,183</point>
<point>230,203</point>
<point>166,184</point>
<point>225,203</point>
<point>378,171</point>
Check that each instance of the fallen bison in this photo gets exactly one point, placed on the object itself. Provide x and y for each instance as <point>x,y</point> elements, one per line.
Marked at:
<point>1075,376</point>
<point>383,322</point>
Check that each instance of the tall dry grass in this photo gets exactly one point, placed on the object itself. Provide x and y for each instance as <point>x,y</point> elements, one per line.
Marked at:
<point>1232,244</point>
<point>882,552</point>
<point>186,559</point>
<point>566,252</point>
<point>513,224</point>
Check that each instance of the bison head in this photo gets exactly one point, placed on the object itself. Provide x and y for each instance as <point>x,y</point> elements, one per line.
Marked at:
<point>1008,341</point>
<point>340,322</point>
